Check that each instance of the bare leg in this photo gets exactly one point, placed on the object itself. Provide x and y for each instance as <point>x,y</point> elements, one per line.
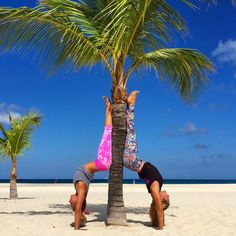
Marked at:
<point>103,158</point>
<point>130,158</point>
<point>132,97</point>
<point>108,119</point>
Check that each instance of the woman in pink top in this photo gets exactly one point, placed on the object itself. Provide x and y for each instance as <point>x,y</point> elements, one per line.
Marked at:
<point>84,174</point>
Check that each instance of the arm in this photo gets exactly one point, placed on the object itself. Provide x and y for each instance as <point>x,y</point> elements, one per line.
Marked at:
<point>158,205</point>
<point>81,189</point>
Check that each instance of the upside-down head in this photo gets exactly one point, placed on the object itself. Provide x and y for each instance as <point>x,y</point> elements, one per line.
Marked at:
<point>73,200</point>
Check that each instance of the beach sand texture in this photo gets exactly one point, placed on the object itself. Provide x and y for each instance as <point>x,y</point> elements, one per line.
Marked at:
<point>43,210</point>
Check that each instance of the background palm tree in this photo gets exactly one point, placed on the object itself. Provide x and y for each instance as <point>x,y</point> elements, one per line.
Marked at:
<point>15,141</point>
<point>123,35</point>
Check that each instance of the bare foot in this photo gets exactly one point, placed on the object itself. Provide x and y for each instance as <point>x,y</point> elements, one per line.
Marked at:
<point>132,97</point>
<point>107,102</point>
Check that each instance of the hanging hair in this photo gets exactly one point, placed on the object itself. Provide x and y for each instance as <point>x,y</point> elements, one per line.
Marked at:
<point>153,212</point>
<point>165,204</point>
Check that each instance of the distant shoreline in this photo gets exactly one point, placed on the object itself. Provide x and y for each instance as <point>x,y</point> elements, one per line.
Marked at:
<point>127,181</point>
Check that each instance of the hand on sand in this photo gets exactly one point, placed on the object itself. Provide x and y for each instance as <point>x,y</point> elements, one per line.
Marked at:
<point>82,221</point>
<point>132,97</point>
<point>159,228</point>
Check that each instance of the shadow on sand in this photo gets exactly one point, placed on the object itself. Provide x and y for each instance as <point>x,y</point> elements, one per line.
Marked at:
<point>98,210</point>
<point>31,213</point>
<point>55,206</point>
<point>19,198</point>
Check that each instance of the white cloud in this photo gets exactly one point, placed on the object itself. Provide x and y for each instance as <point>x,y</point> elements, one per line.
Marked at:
<point>4,117</point>
<point>169,110</point>
<point>201,146</point>
<point>225,88</point>
<point>233,2</point>
<point>215,2</point>
<point>195,106</point>
<point>6,109</point>
<point>190,128</point>
<point>226,52</point>
<point>15,115</point>
<point>168,133</point>
<point>220,156</point>
<point>216,107</point>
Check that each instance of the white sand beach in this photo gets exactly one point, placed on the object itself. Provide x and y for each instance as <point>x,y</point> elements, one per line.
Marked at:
<point>43,210</point>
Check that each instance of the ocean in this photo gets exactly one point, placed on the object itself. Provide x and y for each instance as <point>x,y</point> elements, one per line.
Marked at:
<point>126,181</point>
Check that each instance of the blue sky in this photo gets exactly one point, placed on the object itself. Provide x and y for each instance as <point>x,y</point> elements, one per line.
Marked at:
<point>183,140</point>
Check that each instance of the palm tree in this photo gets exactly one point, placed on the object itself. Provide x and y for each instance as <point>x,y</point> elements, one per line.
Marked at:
<point>123,35</point>
<point>15,141</point>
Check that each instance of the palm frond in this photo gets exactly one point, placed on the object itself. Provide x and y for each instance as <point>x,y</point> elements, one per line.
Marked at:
<point>81,14</point>
<point>19,135</point>
<point>3,150</point>
<point>139,25</point>
<point>50,35</point>
<point>190,4</point>
<point>154,22</point>
<point>186,69</point>
<point>64,32</point>
<point>3,142</point>
<point>4,132</point>
<point>5,147</point>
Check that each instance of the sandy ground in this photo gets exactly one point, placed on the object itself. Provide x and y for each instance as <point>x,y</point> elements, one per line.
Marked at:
<point>43,210</point>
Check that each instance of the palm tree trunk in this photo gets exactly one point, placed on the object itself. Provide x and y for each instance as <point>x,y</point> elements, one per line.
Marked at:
<point>13,188</point>
<point>115,209</point>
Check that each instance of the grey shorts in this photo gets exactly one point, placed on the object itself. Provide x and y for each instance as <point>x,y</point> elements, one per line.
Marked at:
<point>82,175</point>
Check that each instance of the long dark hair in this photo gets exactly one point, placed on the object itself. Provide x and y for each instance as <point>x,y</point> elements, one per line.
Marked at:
<point>153,212</point>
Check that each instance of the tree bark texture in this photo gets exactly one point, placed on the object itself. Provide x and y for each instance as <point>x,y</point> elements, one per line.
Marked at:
<point>13,188</point>
<point>115,209</point>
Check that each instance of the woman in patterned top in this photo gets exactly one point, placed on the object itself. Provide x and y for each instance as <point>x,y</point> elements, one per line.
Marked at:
<point>145,170</point>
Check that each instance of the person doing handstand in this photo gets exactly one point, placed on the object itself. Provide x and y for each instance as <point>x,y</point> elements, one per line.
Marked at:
<point>145,170</point>
<point>84,174</point>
